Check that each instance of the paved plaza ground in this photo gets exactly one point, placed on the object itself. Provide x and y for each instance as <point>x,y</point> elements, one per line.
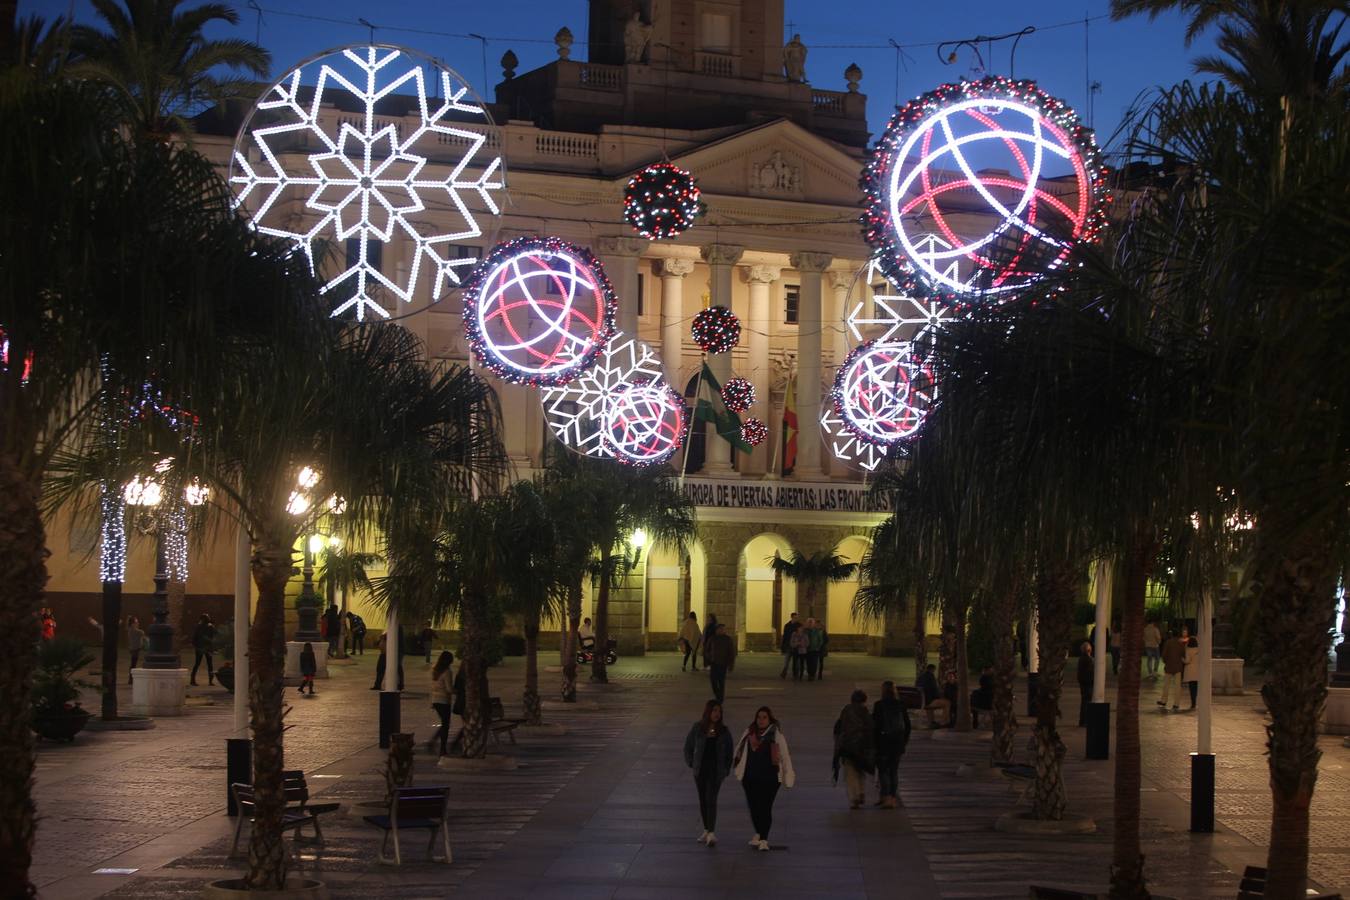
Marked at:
<point>607,811</point>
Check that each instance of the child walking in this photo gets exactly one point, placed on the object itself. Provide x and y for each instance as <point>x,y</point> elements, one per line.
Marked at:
<point>309,667</point>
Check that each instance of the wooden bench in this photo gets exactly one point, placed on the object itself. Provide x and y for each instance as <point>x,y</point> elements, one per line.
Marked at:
<point>1049,893</point>
<point>498,723</point>
<point>912,697</point>
<point>298,813</point>
<point>416,807</point>
<point>1253,886</point>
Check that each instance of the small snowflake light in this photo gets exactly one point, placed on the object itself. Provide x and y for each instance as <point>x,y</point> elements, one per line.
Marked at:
<point>883,392</point>
<point>754,432</point>
<point>716,329</point>
<point>538,310</point>
<point>900,317</point>
<point>661,201</point>
<point>1019,154</point>
<point>353,147</point>
<point>850,448</point>
<point>738,394</point>
<point>644,423</point>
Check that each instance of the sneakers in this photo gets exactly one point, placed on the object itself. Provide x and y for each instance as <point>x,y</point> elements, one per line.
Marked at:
<point>712,840</point>
<point>1162,703</point>
<point>703,838</point>
<point>763,845</point>
<point>754,841</point>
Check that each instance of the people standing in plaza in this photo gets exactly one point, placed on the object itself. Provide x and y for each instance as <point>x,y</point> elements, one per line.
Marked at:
<point>709,629</point>
<point>203,638</point>
<point>356,627</point>
<point>1190,664</point>
<point>135,641</point>
<point>707,750</point>
<point>785,645</point>
<point>763,765</point>
<point>1086,676</point>
<point>800,645</point>
<point>442,697</point>
<point>719,654</point>
<point>815,641</point>
<point>691,639</point>
<point>332,627</point>
<point>933,701</point>
<point>1174,661</point>
<point>855,748</point>
<point>427,638</point>
<point>891,721</point>
<point>309,667</point>
<point>1152,643</point>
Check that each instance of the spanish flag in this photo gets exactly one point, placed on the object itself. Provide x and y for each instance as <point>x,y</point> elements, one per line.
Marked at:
<point>790,427</point>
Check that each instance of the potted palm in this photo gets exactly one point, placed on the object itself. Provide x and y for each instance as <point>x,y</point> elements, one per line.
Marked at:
<point>57,714</point>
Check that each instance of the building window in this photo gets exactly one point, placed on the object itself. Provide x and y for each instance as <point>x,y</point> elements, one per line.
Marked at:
<point>642,294</point>
<point>715,34</point>
<point>791,300</point>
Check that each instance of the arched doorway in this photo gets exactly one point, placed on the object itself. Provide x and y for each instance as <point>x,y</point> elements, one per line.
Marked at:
<point>676,584</point>
<point>845,633</point>
<point>763,600</point>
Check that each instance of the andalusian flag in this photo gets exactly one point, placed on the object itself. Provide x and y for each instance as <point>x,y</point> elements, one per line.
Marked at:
<point>709,407</point>
<point>790,427</point>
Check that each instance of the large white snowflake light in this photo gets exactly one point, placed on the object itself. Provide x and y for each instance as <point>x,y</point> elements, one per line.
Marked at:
<point>899,317</point>
<point>349,148</point>
<point>846,445</point>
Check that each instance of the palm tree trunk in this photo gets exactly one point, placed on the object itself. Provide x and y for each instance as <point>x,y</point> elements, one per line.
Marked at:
<point>473,620</point>
<point>962,710</point>
<point>1003,746</point>
<point>1054,613</point>
<point>23,573</point>
<point>1296,615</point>
<point>267,662</point>
<point>533,711</point>
<point>1127,858</point>
<point>598,671</point>
<point>920,635</point>
<point>112,615</point>
<point>569,651</point>
<point>947,645</point>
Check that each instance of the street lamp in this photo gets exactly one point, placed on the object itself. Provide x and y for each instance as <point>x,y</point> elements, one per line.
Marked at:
<point>149,493</point>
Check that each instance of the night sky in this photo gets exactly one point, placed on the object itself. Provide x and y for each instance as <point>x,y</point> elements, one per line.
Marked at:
<point>1126,58</point>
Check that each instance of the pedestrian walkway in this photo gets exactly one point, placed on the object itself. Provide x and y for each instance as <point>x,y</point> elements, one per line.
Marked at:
<point>608,810</point>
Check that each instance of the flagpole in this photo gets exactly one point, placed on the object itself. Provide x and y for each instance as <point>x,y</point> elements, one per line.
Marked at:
<point>782,425</point>
<point>693,415</point>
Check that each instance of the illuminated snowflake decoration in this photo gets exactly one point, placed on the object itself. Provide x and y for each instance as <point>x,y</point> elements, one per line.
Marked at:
<point>538,310</point>
<point>899,317</point>
<point>310,172</point>
<point>615,410</point>
<point>847,446</point>
<point>1003,146</point>
<point>883,392</point>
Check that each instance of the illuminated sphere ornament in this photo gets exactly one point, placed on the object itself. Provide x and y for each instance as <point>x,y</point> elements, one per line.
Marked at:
<point>355,148</point>
<point>738,394</point>
<point>716,329</point>
<point>976,190</point>
<point>661,201</point>
<point>644,423</point>
<point>538,310</point>
<point>754,432</point>
<point>883,392</point>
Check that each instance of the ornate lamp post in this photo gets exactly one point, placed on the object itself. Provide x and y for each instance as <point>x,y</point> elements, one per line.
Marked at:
<point>307,604</point>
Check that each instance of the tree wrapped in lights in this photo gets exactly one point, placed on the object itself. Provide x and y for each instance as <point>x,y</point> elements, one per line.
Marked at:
<point>738,394</point>
<point>661,201</point>
<point>920,176</point>
<point>716,330</point>
<point>754,432</point>
<point>539,311</point>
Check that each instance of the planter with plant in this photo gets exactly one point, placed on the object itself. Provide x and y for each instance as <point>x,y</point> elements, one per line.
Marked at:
<point>57,714</point>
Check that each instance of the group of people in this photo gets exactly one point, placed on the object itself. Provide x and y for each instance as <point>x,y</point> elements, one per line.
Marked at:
<point>803,645</point>
<point>1180,658</point>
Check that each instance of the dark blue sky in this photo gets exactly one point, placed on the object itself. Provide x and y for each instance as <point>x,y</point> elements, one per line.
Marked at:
<point>1125,57</point>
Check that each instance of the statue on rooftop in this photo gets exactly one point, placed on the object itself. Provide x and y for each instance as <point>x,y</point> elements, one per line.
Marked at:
<point>636,35</point>
<point>794,59</point>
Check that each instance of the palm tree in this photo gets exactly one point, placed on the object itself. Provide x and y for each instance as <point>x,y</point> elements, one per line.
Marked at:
<point>812,573</point>
<point>566,493</point>
<point>158,64</point>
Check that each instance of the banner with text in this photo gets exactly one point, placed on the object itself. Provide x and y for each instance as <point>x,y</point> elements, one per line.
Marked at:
<point>813,497</point>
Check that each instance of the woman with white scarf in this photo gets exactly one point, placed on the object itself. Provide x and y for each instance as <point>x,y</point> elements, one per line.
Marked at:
<point>763,765</point>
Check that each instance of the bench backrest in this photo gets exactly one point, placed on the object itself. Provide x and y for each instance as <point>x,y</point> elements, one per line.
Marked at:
<point>912,697</point>
<point>496,712</point>
<point>425,802</point>
<point>293,787</point>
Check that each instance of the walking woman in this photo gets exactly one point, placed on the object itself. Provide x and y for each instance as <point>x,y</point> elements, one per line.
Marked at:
<point>763,765</point>
<point>135,641</point>
<point>707,750</point>
<point>691,638</point>
<point>855,748</point>
<point>893,728</point>
<point>442,697</point>
<point>203,639</point>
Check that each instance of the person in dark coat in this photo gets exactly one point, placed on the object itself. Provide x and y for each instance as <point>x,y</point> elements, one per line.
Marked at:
<point>203,640</point>
<point>1086,671</point>
<point>332,626</point>
<point>309,667</point>
<point>383,661</point>
<point>720,656</point>
<point>785,645</point>
<point>855,748</point>
<point>893,728</point>
<point>707,750</point>
<point>356,627</point>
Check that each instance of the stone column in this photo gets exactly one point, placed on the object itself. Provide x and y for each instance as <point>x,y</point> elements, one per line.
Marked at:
<point>620,258</point>
<point>760,279</point>
<point>721,258</point>
<point>812,267</point>
<point>840,282</point>
<point>673,328</point>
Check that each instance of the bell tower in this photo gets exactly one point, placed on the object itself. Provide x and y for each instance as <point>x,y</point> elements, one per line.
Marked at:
<point>727,38</point>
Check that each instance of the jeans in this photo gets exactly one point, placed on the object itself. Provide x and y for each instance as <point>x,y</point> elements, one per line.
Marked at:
<point>359,644</point>
<point>759,794</point>
<point>812,661</point>
<point>443,735</point>
<point>717,674</point>
<point>332,644</point>
<point>1171,688</point>
<point>888,773</point>
<point>1151,654</point>
<point>135,660</point>
<point>379,674</point>
<point>1115,660</point>
<point>1195,691</point>
<point>798,665</point>
<point>855,782</point>
<point>690,650</point>
<point>708,785</point>
<point>210,671</point>
<point>788,656</point>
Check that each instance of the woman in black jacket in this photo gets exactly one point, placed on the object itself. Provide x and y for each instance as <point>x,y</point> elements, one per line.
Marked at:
<point>891,720</point>
<point>707,750</point>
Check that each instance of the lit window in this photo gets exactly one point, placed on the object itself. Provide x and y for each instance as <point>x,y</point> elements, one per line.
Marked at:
<point>791,300</point>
